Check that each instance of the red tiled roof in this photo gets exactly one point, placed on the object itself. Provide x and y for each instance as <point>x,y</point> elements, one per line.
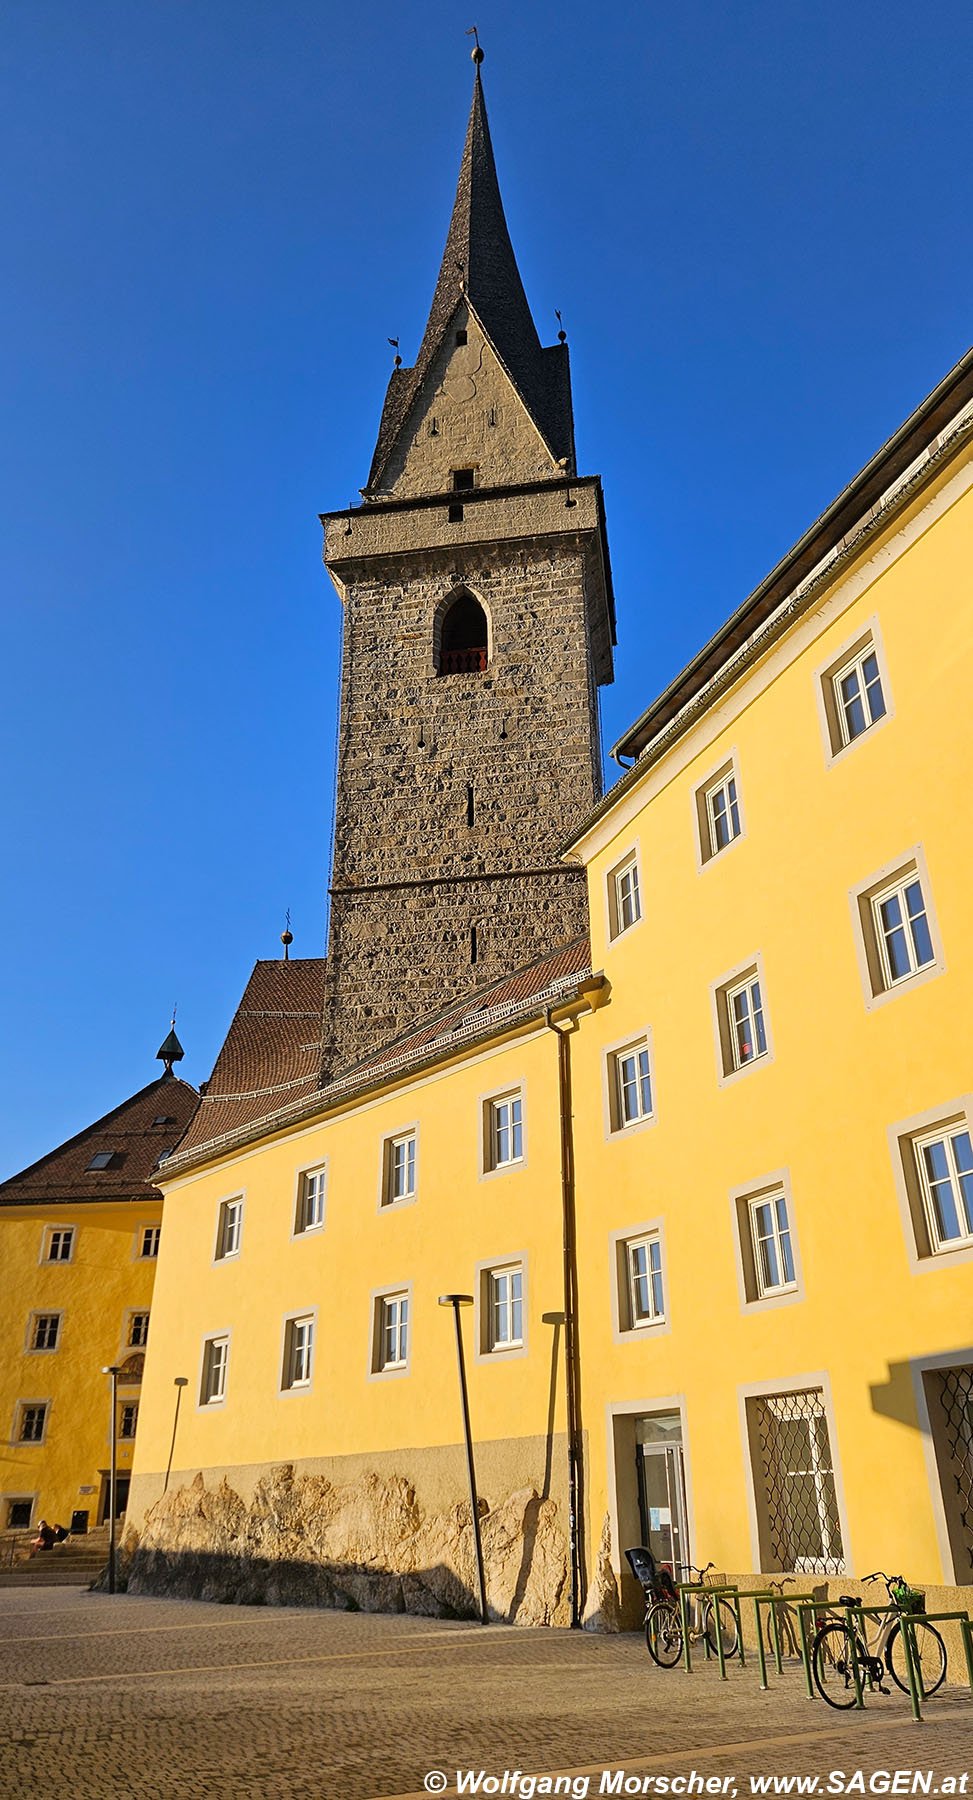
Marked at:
<point>129,1134</point>
<point>272,1052</point>
<point>270,1062</point>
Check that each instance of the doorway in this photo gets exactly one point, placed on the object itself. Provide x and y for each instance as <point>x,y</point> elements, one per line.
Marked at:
<point>122,1485</point>
<point>661,1479</point>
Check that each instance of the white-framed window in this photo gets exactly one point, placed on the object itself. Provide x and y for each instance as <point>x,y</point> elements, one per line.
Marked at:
<point>722,813</point>
<point>505,1307</point>
<point>45,1331</point>
<point>229,1228</point>
<point>149,1241</point>
<point>901,927</point>
<point>138,1330</point>
<point>859,699</point>
<point>399,1168</point>
<point>794,1482</point>
<point>770,1239</point>
<point>628,1086</point>
<point>216,1356</point>
<point>311,1186</point>
<point>624,896</point>
<point>393,1331</point>
<point>32,1421</point>
<point>633,1084</point>
<point>60,1243</point>
<point>944,1160</point>
<point>128,1414</point>
<point>645,1297</point>
<point>298,1352</point>
<point>504,1130</point>
<point>745,1017</point>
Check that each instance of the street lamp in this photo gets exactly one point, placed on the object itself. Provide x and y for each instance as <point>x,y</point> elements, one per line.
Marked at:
<point>456,1301</point>
<point>114,1371</point>
<point>178,1382</point>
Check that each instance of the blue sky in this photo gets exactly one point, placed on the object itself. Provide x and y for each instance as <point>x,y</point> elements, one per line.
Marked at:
<point>755,221</point>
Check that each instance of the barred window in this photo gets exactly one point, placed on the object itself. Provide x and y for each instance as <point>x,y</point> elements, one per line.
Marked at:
<point>797,1504</point>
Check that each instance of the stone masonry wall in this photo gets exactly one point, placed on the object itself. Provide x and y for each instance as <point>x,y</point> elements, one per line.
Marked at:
<point>517,744</point>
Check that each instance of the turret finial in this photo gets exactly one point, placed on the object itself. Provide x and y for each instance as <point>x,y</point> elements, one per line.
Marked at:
<point>476,53</point>
<point>171,1051</point>
<point>287,937</point>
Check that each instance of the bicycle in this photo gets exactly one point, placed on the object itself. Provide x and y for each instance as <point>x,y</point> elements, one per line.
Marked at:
<point>838,1641</point>
<point>786,1628</point>
<point>663,1617</point>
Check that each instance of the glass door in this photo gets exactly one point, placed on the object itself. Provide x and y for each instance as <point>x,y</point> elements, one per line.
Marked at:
<point>662,1489</point>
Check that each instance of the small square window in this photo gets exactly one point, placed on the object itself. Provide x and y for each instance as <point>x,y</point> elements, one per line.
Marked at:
<point>770,1237</point>
<point>742,1026</point>
<point>630,1082</point>
<point>138,1330</point>
<point>60,1244</point>
<point>455,512</point>
<point>32,1422</point>
<point>229,1229</point>
<point>298,1353</point>
<point>127,1420</point>
<point>399,1168</point>
<point>944,1162</point>
<point>504,1299</point>
<point>149,1241</point>
<point>463,480</point>
<point>461,335</point>
<point>19,1514</point>
<point>719,817</point>
<point>216,1356</point>
<point>897,929</point>
<point>624,897</point>
<point>503,1131</point>
<point>902,930</point>
<point>45,1331</point>
<point>853,691</point>
<point>311,1186</point>
<point>390,1333</point>
<point>643,1300</point>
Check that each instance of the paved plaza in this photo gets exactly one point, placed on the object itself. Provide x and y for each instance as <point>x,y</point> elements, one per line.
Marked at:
<point>154,1698</point>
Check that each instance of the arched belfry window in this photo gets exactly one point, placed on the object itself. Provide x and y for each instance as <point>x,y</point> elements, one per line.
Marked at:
<point>463,636</point>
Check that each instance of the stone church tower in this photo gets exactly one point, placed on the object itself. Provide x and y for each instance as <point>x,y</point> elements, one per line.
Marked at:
<point>479,622</point>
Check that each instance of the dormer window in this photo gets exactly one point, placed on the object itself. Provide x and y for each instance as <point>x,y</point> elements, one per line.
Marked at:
<point>462,480</point>
<point>463,641</point>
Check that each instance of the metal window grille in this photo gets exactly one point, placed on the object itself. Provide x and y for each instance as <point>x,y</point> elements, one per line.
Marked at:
<point>802,1524</point>
<point>956,1402</point>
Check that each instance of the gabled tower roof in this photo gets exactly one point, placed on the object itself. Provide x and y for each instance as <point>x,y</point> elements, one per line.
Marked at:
<point>479,265</point>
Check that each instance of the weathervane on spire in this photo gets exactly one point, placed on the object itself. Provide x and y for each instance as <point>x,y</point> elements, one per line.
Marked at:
<point>476,52</point>
<point>171,1051</point>
<point>287,937</point>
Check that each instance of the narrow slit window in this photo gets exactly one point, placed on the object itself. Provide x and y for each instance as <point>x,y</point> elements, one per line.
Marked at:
<point>472,943</point>
<point>470,805</point>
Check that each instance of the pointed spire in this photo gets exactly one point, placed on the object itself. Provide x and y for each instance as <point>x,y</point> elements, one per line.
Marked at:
<point>170,1051</point>
<point>479,266</point>
<point>479,260</point>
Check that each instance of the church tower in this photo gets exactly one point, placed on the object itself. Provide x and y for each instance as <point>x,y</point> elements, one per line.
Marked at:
<point>478,624</point>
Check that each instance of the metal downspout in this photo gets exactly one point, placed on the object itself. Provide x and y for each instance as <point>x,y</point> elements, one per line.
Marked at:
<point>573,1407</point>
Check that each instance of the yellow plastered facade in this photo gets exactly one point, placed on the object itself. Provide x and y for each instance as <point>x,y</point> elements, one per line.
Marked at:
<point>94,1294</point>
<point>815,1117</point>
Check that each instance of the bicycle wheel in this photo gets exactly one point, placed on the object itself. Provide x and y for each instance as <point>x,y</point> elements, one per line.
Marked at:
<point>720,1609</point>
<point>831,1664</point>
<point>663,1634</point>
<point>930,1659</point>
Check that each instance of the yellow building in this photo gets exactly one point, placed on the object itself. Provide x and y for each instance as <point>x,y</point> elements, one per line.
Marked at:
<point>705,1175</point>
<point>81,1232</point>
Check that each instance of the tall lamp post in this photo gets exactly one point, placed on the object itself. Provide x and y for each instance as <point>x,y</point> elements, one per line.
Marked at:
<point>178,1382</point>
<point>114,1371</point>
<point>456,1301</point>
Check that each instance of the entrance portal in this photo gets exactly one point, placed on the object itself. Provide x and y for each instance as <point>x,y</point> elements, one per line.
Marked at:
<point>662,1488</point>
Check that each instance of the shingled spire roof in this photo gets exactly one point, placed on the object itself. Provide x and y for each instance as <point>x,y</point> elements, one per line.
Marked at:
<point>479,265</point>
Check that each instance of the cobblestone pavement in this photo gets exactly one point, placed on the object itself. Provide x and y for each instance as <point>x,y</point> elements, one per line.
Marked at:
<point>104,1697</point>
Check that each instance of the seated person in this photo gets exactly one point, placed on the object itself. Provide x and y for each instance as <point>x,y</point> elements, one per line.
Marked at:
<point>44,1539</point>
